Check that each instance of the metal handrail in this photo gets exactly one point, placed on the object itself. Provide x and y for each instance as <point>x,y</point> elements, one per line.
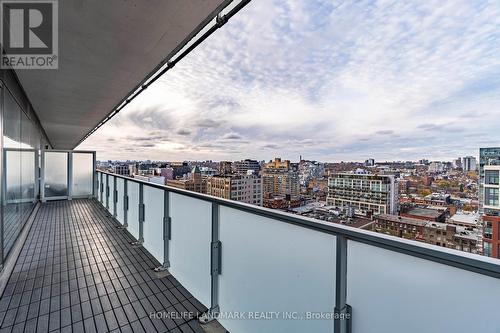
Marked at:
<point>463,260</point>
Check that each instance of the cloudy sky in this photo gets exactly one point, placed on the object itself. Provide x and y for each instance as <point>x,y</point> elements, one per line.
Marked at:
<point>328,80</point>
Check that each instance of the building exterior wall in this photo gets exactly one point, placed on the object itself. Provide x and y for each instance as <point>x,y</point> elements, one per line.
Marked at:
<point>243,166</point>
<point>491,236</point>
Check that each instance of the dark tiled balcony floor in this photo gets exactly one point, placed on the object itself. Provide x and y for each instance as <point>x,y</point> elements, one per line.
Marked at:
<point>14,218</point>
<point>77,272</point>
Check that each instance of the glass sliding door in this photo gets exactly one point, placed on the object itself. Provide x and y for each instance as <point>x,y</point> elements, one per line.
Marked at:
<point>11,203</point>
<point>19,169</point>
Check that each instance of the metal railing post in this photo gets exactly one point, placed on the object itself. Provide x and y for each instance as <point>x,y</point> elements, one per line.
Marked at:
<point>141,214</point>
<point>94,175</point>
<point>343,311</point>
<point>42,176</point>
<point>215,266</point>
<point>107,192</point>
<point>125,204</point>
<point>101,186</point>
<point>70,175</point>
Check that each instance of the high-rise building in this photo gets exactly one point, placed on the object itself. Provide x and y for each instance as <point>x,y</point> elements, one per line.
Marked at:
<point>490,206</point>
<point>193,182</point>
<point>243,166</point>
<point>469,163</point>
<point>436,167</point>
<point>370,162</point>
<point>366,193</point>
<point>244,188</point>
<point>487,156</point>
<point>280,179</point>
<point>225,167</point>
<point>457,163</point>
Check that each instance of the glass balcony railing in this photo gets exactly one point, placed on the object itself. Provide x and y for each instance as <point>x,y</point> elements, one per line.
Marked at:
<point>261,270</point>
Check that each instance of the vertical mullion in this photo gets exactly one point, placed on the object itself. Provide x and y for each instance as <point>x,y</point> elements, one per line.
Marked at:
<point>115,197</point>
<point>3,179</point>
<point>125,203</point>
<point>141,213</point>
<point>342,309</point>
<point>70,175</point>
<point>215,258</point>
<point>107,191</point>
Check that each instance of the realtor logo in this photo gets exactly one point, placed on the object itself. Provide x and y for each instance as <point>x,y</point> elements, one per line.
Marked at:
<point>29,34</point>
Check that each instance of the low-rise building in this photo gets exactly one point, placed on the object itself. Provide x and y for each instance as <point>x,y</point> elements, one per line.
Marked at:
<point>364,192</point>
<point>430,232</point>
<point>120,169</point>
<point>193,182</point>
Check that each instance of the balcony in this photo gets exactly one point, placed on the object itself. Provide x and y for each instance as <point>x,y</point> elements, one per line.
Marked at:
<point>239,258</point>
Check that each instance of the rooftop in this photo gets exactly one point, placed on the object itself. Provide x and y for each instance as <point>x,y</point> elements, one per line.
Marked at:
<point>425,212</point>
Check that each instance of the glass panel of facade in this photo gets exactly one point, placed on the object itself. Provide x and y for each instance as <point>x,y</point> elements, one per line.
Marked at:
<point>491,177</point>
<point>487,249</point>
<point>491,196</point>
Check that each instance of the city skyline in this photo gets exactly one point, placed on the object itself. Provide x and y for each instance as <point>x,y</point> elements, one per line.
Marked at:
<point>329,82</point>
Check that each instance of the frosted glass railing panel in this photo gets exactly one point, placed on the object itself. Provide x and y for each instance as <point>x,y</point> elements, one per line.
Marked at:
<point>271,266</point>
<point>190,244</point>
<point>120,188</point>
<point>99,175</point>
<point>56,174</point>
<point>83,167</point>
<point>133,209</point>
<point>111,181</point>
<point>153,221</point>
<point>392,292</point>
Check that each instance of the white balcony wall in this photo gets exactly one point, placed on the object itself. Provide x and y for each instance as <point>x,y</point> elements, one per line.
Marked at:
<point>271,266</point>
<point>190,244</point>
<point>111,183</point>
<point>133,209</point>
<point>392,292</point>
<point>153,221</point>
<point>120,189</point>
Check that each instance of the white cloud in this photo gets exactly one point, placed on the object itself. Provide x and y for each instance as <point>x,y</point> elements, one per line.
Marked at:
<point>328,80</point>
